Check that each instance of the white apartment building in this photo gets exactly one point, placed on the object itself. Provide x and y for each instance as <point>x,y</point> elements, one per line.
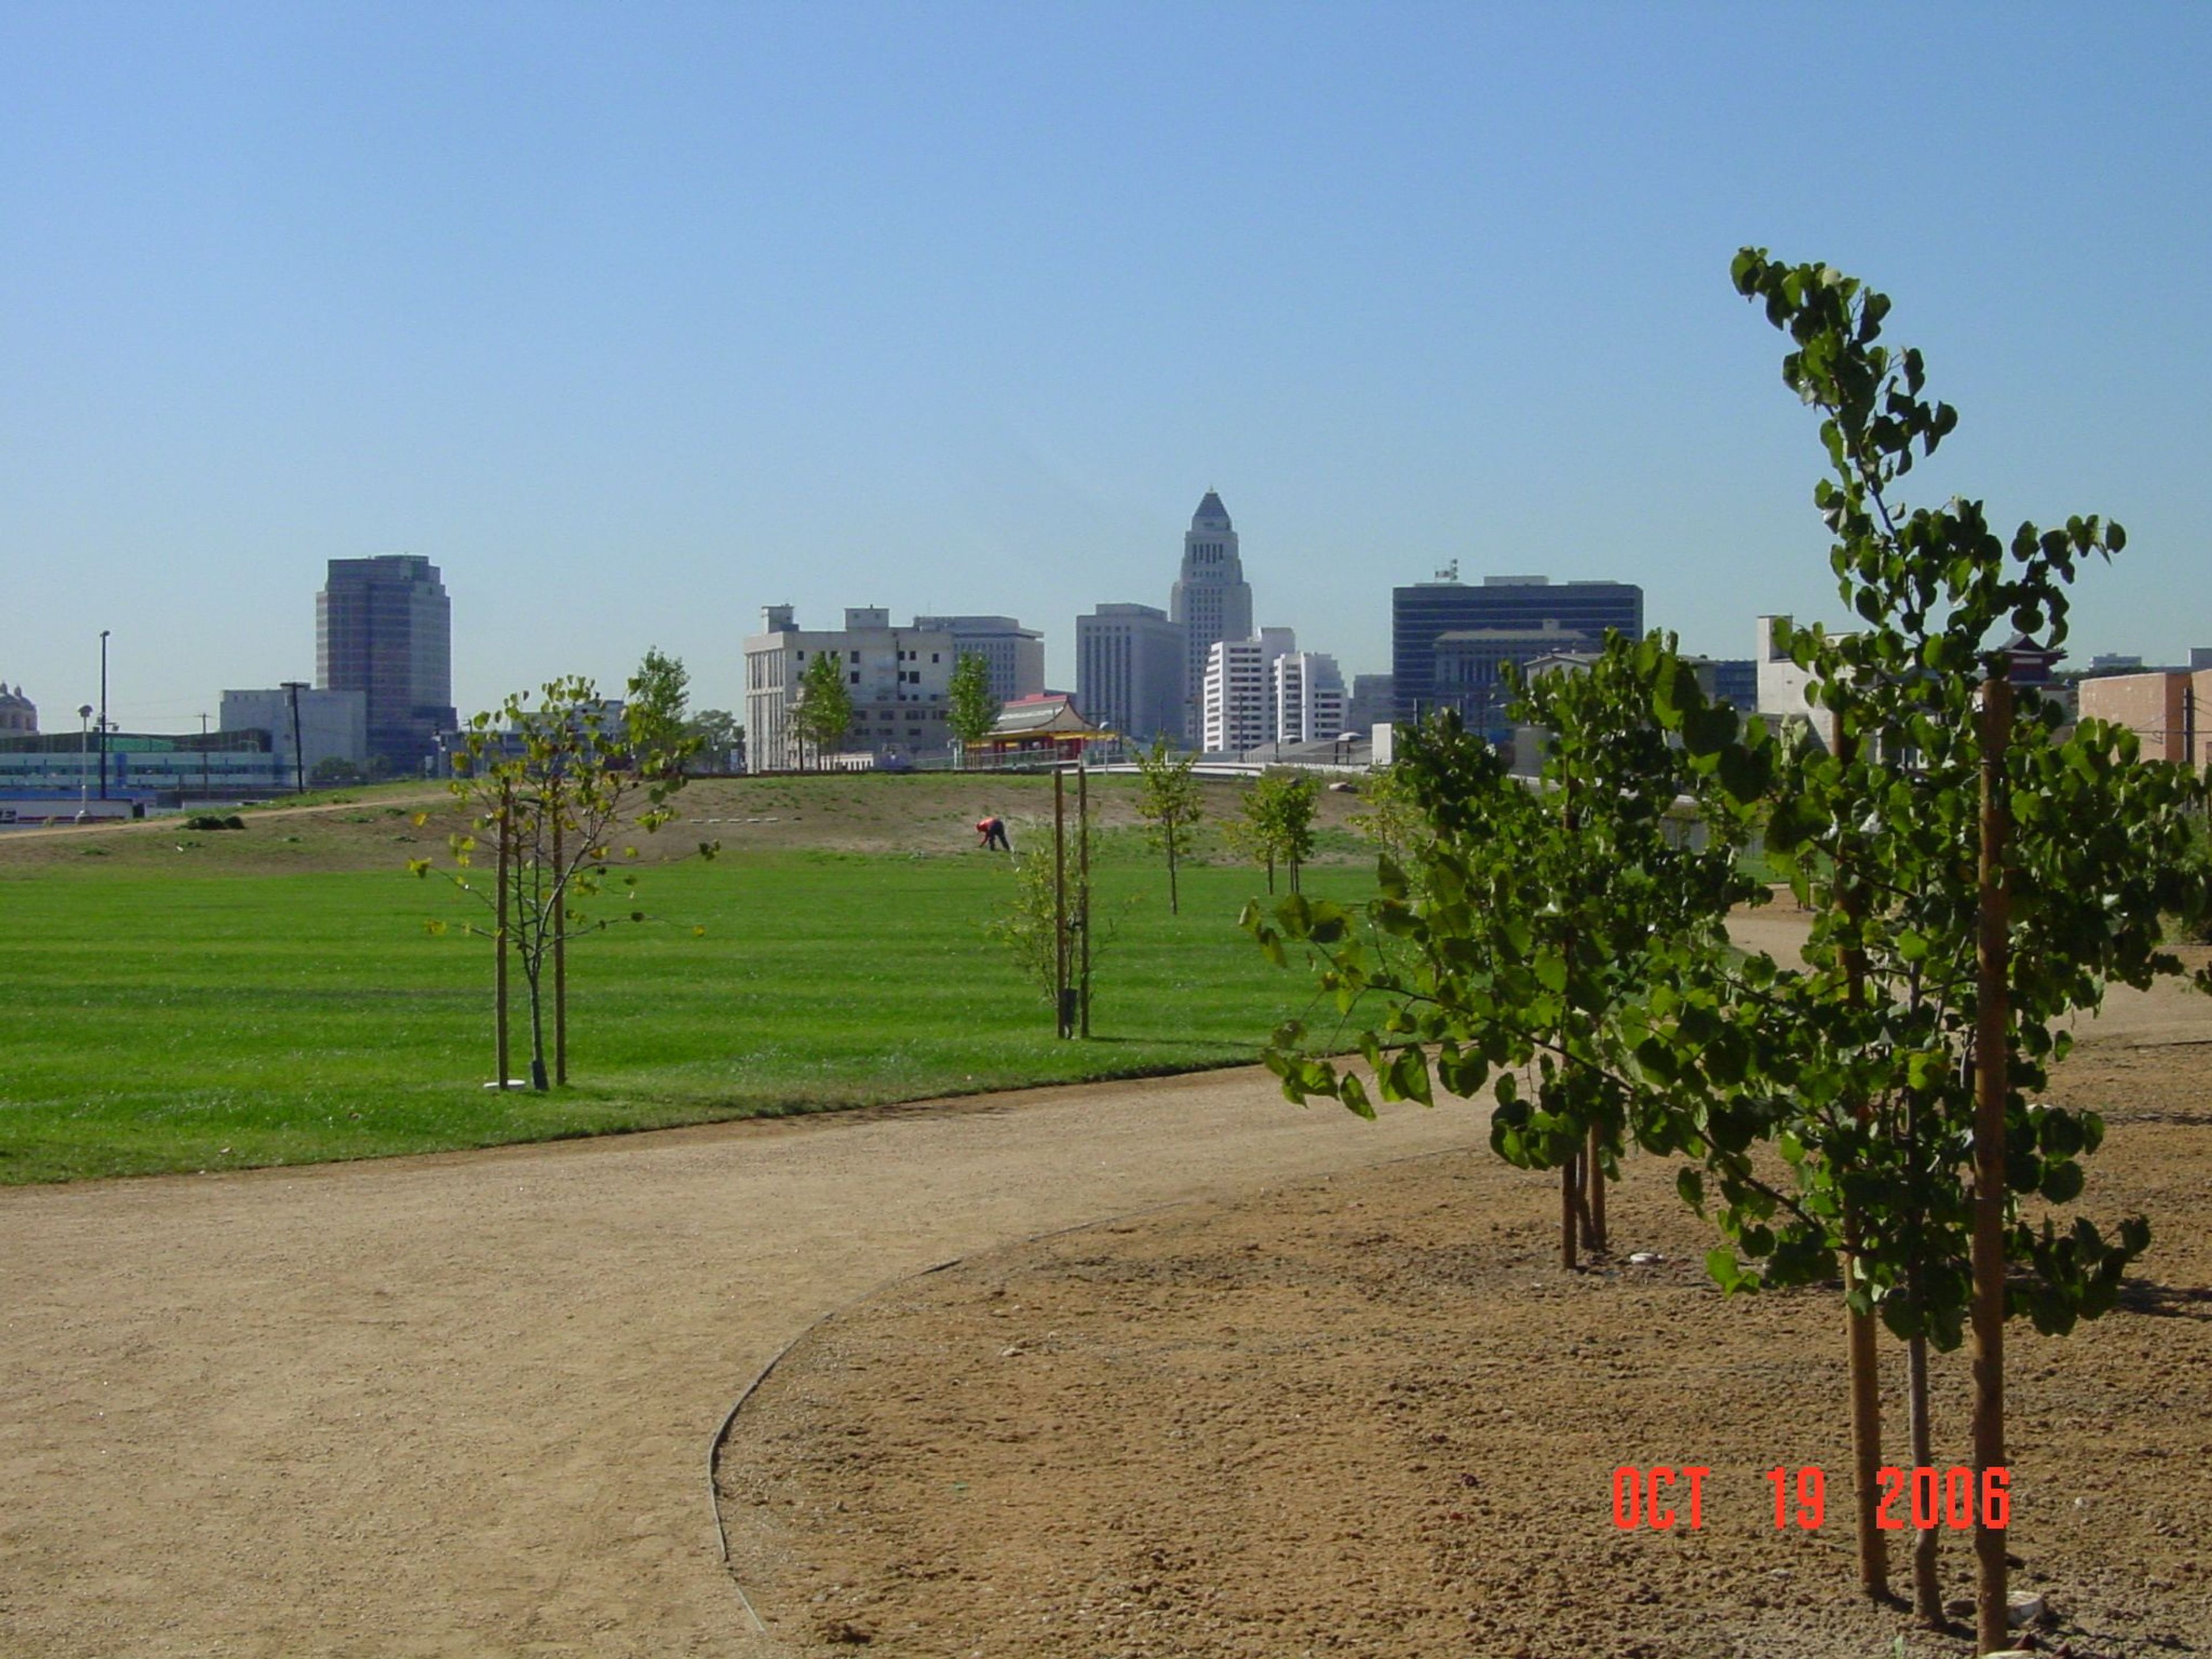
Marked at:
<point>1237,712</point>
<point>1014,654</point>
<point>899,679</point>
<point>1129,667</point>
<point>1306,691</point>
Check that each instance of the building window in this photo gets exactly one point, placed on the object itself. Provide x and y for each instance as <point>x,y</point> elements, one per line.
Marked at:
<point>856,677</point>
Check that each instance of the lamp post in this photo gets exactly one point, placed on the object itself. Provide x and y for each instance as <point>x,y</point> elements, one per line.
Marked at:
<point>103,714</point>
<point>83,758</point>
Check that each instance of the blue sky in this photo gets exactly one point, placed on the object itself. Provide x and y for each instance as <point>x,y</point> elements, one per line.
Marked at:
<point>634,319</point>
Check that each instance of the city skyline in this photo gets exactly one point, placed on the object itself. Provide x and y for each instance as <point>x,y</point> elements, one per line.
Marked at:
<point>635,324</point>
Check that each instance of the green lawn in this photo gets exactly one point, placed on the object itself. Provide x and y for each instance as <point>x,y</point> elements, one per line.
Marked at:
<point>189,1021</point>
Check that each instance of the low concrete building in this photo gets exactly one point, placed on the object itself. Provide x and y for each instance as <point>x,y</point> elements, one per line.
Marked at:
<point>1013,653</point>
<point>1783,687</point>
<point>1470,665</point>
<point>2168,709</point>
<point>899,679</point>
<point>143,766</point>
<point>333,724</point>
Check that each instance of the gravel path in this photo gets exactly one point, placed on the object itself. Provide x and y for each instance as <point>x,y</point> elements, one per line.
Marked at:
<point>460,1405</point>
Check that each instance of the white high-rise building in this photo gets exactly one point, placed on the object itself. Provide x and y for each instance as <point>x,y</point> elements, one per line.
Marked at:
<point>1210,600</point>
<point>1129,670</point>
<point>1306,689</point>
<point>1236,713</point>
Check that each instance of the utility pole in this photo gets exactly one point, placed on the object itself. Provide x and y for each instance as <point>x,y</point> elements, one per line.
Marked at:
<point>299,754</point>
<point>103,714</point>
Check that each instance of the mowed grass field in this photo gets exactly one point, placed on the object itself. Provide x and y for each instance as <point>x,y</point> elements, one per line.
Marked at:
<point>178,1001</point>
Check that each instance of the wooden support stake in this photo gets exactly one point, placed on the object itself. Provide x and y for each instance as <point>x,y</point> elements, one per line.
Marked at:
<point>1992,1081</point>
<point>1064,1025</point>
<point>559,952</point>
<point>1083,900</point>
<point>499,934</point>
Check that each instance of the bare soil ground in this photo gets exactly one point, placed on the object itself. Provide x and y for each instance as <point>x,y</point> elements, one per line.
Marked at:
<point>461,1405</point>
<point>923,812</point>
<point>1369,1413</point>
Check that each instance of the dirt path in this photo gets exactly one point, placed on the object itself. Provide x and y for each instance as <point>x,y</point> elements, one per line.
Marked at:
<point>460,1405</point>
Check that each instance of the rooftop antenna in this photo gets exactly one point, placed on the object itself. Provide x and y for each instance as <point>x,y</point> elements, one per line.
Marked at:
<point>1449,573</point>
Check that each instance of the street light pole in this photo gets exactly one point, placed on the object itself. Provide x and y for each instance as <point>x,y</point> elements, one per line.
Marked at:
<point>83,758</point>
<point>103,714</point>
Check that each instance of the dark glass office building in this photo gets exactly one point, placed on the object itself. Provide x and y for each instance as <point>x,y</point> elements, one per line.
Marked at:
<point>1423,612</point>
<point>383,626</point>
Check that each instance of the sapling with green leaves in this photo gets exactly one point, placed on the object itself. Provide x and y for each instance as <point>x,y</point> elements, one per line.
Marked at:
<point>822,713</point>
<point>972,708</point>
<point>1538,919</point>
<point>1171,805</point>
<point>1274,825</point>
<point>554,788</point>
<point>1975,876</point>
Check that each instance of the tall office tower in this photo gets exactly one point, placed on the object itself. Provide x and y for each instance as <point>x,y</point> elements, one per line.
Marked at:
<point>1307,690</point>
<point>1129,671</point>
<point>1420,615</point>
<point>1014,654</point>
<point>1210,600</point>
<point>383,626</point>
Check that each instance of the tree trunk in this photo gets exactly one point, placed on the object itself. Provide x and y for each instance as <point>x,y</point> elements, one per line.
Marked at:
<point>1861,1349</point>
<point>1927,1583</point>
<point>1992,1078</point>
<point>1866,1436</point>
<point>1570,1179</point>
<point>537,1032</point>
<point>1174,905</point>
<point>1594,1192</point>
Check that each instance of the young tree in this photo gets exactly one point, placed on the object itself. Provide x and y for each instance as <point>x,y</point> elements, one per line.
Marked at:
<point>974,708</point>
<point>1275,824</point>
<point>1538,924</point>
<point>654,712</point>
<point>1975,881</point>
<point>717,736</point>
<point>823,713</point>
<point>1171,804</point>
<point>552,792</point>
